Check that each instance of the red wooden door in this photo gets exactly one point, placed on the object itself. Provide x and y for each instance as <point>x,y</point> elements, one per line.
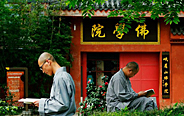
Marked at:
<point>148,75</point>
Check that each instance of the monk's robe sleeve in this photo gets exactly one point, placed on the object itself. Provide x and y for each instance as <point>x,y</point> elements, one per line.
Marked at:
<point>123,91</point>
<point>60,100</point>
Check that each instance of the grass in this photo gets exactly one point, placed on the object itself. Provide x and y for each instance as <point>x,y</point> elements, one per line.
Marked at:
<point>176,110</point>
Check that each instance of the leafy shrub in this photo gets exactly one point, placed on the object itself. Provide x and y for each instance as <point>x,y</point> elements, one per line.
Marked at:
<point>6,105</point>
<point>96,98</point>
<point>5,109</point>
<point>176,110</point>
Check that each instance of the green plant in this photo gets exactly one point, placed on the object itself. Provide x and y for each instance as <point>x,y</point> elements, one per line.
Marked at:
<point>134,10</point>
<point>27,30</point>
<point>176,110</point>
<point>5,109</point>
<point>6,105</point>
<point>8,96</point>
<point>96,98</point>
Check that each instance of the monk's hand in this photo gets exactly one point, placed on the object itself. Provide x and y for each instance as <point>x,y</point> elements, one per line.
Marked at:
<point>36,103</point>
<point>141,93</point>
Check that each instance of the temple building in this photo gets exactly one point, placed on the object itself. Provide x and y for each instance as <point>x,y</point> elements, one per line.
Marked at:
<point>99,49</point>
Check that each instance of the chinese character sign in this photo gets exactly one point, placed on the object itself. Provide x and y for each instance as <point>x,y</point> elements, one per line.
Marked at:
<point>119,35</point>
<point>109,30</point>
<point>165,75</point>
<point>96,31</point>
<point>141,30</point>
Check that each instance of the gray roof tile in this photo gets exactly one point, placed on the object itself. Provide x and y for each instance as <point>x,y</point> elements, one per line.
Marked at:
<point>178,29</point>
<point>108,5</point>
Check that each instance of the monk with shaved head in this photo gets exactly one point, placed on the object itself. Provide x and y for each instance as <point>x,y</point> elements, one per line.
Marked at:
<point>62,95</point>
<point>121,95</point>
<point>48,64</point>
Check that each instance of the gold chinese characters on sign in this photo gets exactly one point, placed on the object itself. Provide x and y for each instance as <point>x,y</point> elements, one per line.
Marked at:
<point>141,30</point>
<point>165,75</point>
<point>119,35</point>
<point>96,30</point>
<point>113,31</point>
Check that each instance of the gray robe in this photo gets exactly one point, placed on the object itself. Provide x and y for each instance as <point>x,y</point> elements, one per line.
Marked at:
<point>120,95</point>
<point>62,96</point>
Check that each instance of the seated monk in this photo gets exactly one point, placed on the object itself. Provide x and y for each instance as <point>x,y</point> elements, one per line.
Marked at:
<point>120,93</point>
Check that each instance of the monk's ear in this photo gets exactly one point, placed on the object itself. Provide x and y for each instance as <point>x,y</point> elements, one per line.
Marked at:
<point>130,70</point>
<point>48,61</point>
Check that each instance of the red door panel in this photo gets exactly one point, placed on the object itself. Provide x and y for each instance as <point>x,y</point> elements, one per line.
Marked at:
<point>148,75</point>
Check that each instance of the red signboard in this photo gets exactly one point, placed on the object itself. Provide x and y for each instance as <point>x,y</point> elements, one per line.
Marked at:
<point>15,85</point>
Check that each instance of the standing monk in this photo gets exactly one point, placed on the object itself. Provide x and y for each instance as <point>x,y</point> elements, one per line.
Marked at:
<point>62,95</point>
<point>120,93</point>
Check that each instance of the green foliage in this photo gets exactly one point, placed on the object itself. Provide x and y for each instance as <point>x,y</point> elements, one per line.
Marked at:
<point>96,98</point>
<point>8,96</point>
<point>27,30</point>
<point>9,110</point>
<point>87,6</point>
<point>6,105</point>
<point>176,110</point>
<point>136,10</point>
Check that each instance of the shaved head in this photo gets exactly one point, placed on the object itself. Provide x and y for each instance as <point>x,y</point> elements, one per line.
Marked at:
<point>132,65</point>
<point>131,69</point>
<point>44,56</point>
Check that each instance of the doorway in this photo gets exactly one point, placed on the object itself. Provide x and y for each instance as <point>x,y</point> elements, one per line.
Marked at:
<point>101,64</point>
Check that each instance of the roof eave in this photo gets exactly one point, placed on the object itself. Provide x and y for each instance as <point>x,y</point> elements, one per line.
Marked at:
<point>98,13</point>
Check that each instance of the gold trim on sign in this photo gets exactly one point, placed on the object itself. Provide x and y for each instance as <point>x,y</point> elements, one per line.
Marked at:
<point>138,43</point>
<point>81,32</point>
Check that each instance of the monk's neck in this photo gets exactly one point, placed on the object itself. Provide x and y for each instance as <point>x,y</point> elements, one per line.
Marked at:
<point>124,71</point>
<point>55,66</point>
